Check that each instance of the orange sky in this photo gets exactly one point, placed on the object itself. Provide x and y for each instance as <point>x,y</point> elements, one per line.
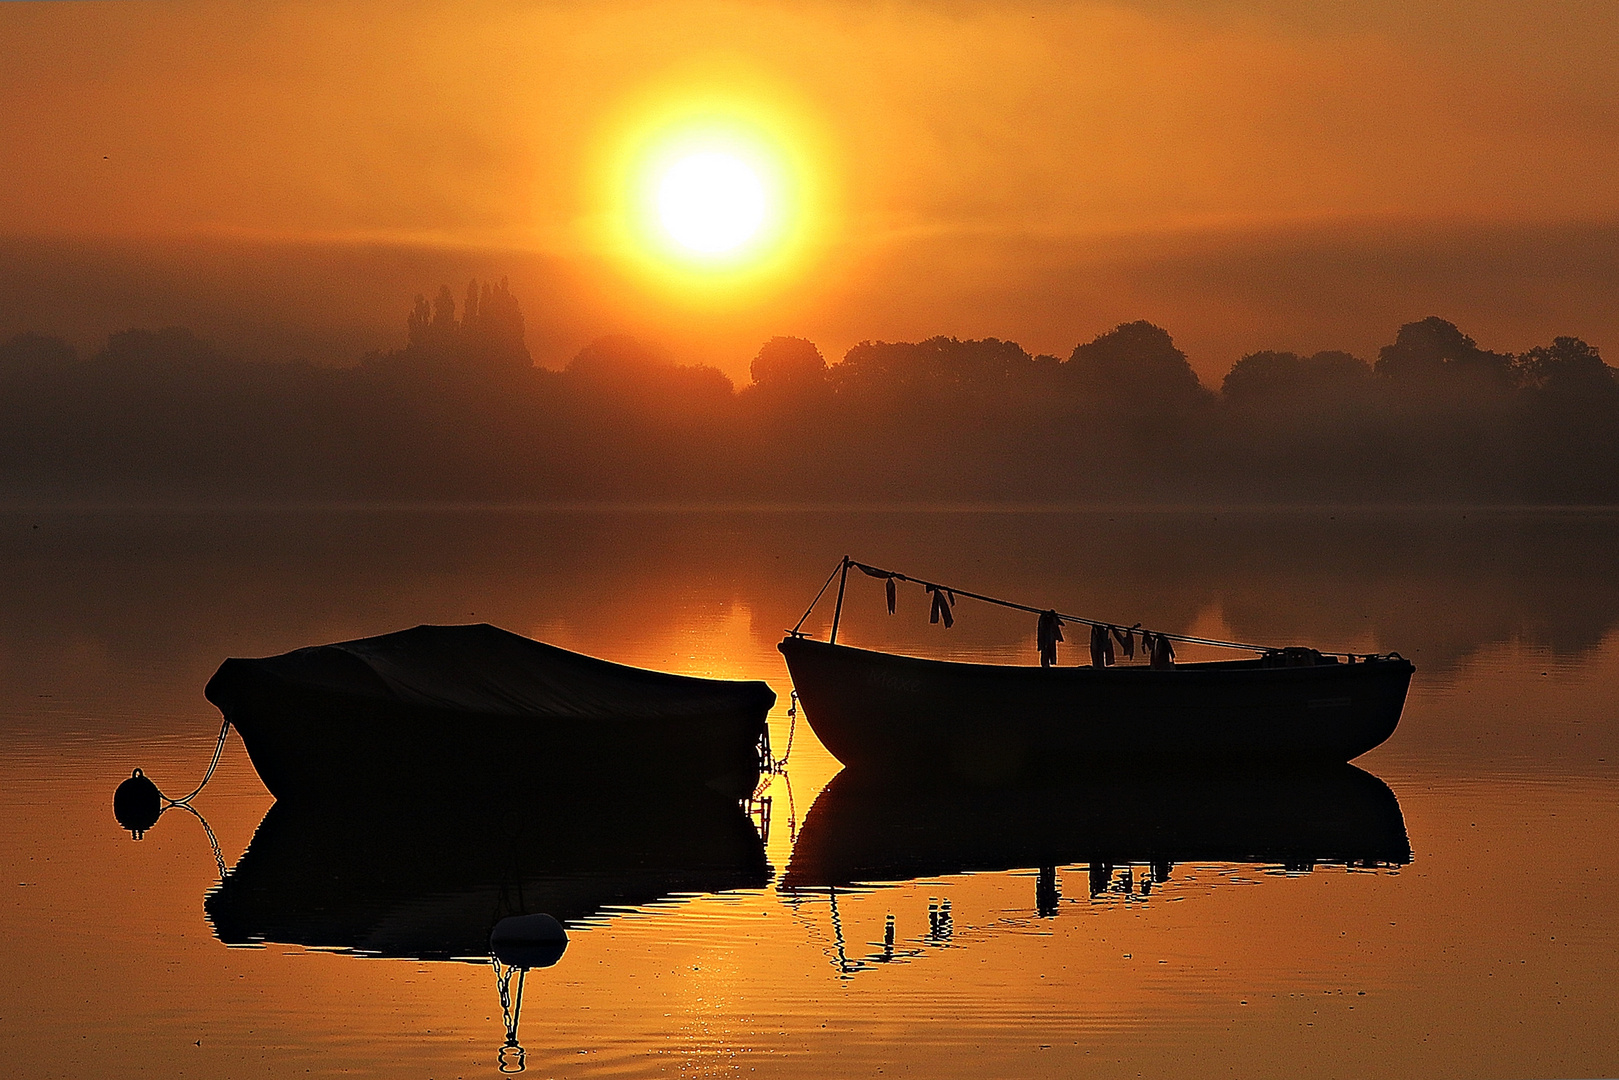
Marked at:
<point>1254,175</point>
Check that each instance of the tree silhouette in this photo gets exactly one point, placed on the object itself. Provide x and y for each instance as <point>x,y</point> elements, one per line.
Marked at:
<point>1433,350</point>
<point>460,412</point>
<point>492,327</point>
<point>789,366</point>
<point>1568,420</point>
<point>1285,378</point>
<point>939,367</point>
<point>1137,368</point>
<point>1568,366</point>
<point>619,369</point>
<point>616,362</point>
<point>174,346</point>
<point>489,336</point>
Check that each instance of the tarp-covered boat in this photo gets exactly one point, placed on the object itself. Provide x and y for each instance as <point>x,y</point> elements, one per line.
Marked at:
<point>880,710</point>
<point>459,710</point>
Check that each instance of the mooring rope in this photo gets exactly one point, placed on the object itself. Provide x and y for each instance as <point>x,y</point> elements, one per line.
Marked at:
<point>213,841</point>
<point>139,803</point>
<point>219,748</point>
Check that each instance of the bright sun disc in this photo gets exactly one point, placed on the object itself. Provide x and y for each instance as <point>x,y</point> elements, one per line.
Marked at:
<point>711,200</point>
<point>711,203</point>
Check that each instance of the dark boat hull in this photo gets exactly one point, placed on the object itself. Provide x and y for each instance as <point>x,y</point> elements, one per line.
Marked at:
<point>878,710</point>
<point>325,748</point>
<point>440,713</point>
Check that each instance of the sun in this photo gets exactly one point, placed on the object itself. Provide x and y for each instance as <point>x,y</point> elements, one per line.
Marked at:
<point>712,202</point>
<point>713,198</point>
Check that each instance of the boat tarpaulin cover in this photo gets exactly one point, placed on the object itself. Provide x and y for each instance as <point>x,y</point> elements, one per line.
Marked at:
<point>483,669</point>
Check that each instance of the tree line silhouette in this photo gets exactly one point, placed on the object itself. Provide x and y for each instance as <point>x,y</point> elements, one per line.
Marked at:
<point>460,413</point>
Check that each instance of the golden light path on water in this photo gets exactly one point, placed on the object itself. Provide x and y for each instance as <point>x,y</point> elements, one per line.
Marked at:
<point>1490,953</point>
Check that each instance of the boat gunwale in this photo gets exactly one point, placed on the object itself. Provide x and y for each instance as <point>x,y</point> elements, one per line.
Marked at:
<point>1384,665</point>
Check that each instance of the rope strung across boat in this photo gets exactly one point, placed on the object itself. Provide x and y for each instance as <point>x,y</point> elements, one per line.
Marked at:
<point>936,588</point>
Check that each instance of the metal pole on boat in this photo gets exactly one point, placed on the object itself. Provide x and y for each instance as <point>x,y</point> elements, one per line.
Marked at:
<point>837,612</point>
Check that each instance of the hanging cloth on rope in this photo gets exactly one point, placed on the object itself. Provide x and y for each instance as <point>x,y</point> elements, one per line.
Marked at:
<point>1047,634</point>
<point>1156,647</point>
<point>872,571</point>
<point>1126,640</point>
<point>1101,646</point>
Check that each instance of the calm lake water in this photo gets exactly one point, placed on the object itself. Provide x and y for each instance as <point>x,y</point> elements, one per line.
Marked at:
<point>1492,952</point>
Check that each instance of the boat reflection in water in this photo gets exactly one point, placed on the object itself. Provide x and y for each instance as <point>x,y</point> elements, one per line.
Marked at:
<point>868,828</point>
<point>1129,828</point>
<point>430,882</point>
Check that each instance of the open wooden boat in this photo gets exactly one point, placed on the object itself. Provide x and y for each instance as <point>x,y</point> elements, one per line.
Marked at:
<point>441,712</point>
<point>880,710</point>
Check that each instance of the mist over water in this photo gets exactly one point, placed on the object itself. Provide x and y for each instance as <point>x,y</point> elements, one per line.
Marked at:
<point>1441,965</point>
<point>460,413</point>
